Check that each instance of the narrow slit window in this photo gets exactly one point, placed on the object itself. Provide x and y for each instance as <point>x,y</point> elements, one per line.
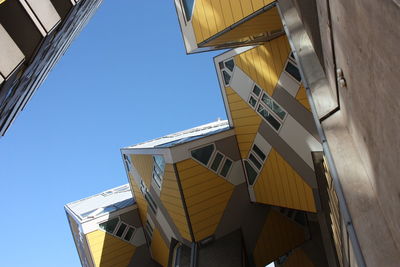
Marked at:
<point>269,118</point>
<point>188,7</point>
<point>217,161</point>
<point>255,161</point>
<point>259,153</point>
<point>227,77</point>
<point>256,90</point>
<point>251,173</point>
<point>203,154</point>
<point>293,70</point>
<point>221,65</point>
<point>121,229</point>
<point>226,167</point>
<point>252,101</point>
<point>148,231</point>
<point>292,56</point>
<point>151,202</point>
<point>109,226</point>
<point>129,234</point>
<point>230,64</point>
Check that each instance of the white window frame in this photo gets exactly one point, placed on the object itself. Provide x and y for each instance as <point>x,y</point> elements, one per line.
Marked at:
<point>114,233</point>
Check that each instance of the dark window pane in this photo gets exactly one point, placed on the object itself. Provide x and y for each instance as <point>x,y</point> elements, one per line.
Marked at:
<point>292,56</point>
<point>121,230</point>
<point>221,65</point>
<point>259,152</point>
<point>230,64</point>
<point>203,154</point>
<point>255,161</point>
<point>252,102</point>
<point>110,225</point>
<point>270,119</point>
<point>251,173</point>
<point>188,6</point>
<point>129,234</point>
<point>267,100</point>
<point>256,90</point>
<point>216,162</point>
<point>227,77</point>
<point>293,70</point>
<point>226,167</point>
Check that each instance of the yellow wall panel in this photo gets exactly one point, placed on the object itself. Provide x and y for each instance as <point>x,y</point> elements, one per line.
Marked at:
<point>298,259</point>
<point>159,250</point>
<point>206,196</point>
<point>140,200</point>
<point>245,121</point>
<point>264,64</point>
<point>212,16</point>
<point>227,12</point>
<point>171,198</point>
<point>236,10</point>
<point>278,236</point>
<point>109,251</point>
<point>302,98</point>
<point>268,21</point>
<point>279,184</point>
<point>144,166</point>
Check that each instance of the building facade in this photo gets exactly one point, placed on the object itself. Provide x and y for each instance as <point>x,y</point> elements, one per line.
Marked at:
<point>107,231</point>
<point>328,56</point>
<point>295,175</point>
<point>33,37</point>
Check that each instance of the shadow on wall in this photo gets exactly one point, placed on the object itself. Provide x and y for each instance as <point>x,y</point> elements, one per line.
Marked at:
<point>108,250</point>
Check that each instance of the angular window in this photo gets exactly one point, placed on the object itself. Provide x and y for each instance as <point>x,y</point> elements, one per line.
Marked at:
<point>269,118</point>
<point>293,70</point>
<point>121,229</point>
<point>158,169</point>
<point>188,7</point>
<point>129,234</point>
<point>292,56</point>
<point>256,90</point>
<point>221,65</point>
<point>217,161</point>
<point>110,225</point>
<point>273,106</point>
<point>259,153</point>
<point>148,231</point>
<point>203,154</point>
<point>151,202</point>
<point>252,101</point>
<point>255,161</point>
<point>227,77</point>
<point>225,169</point>
<point>230,64</point>
<point>251,173</point>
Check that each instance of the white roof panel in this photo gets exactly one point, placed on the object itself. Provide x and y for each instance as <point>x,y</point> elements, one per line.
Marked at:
<point>185,136</point>
<point>106,202</point>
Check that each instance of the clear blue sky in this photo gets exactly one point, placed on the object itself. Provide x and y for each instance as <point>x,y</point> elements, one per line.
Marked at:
<point>124,80</point>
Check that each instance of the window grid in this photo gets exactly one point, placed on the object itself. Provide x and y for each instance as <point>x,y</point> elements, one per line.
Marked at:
<point>267,107</point>
<point>216,161</point>
<point>119,229</point>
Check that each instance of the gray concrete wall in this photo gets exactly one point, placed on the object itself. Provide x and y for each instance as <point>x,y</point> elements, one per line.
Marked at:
<point>366,37</point>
